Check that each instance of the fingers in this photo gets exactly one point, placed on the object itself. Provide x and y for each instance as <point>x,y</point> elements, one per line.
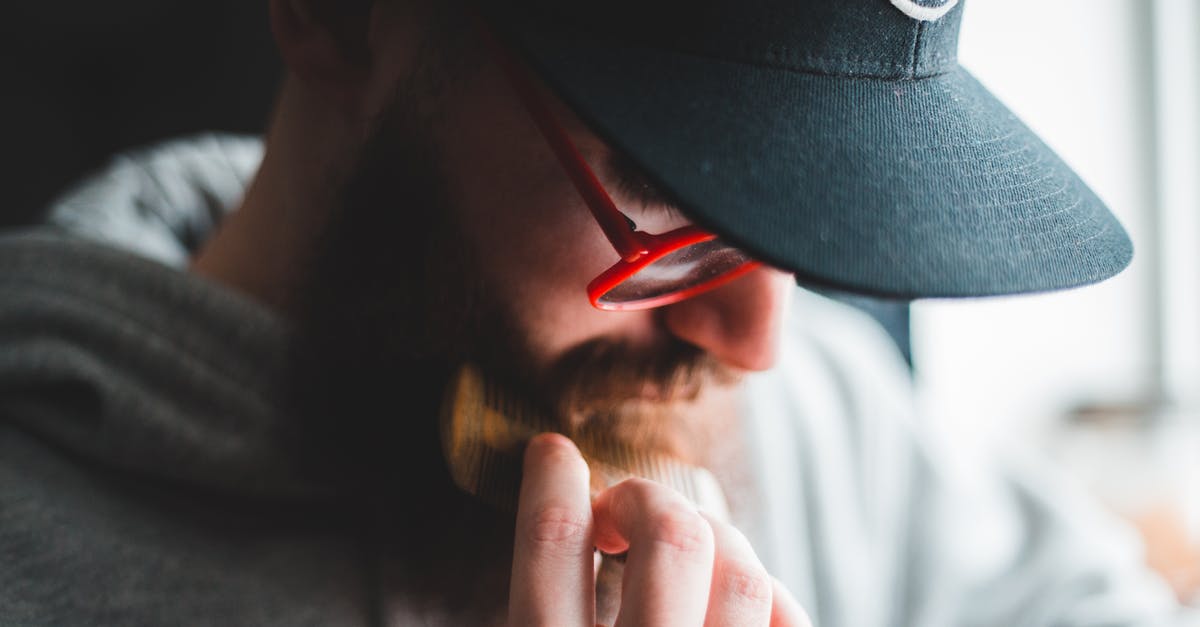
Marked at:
<point>741,591</point>
<point>669,567</point>
<point>682,568</point>
<point>552,574</point>
<point>786,610</point>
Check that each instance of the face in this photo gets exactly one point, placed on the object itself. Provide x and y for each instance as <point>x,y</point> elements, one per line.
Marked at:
<point>535,237</point>
<point>461,212</point>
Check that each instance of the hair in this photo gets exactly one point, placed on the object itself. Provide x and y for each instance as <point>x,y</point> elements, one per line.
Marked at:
<point>386,288</point>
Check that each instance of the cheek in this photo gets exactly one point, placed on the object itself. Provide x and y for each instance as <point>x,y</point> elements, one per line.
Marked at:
<point>532,236</point>
<point>543,281</point>
<point>541,271</point>
<point>535,242</point>
<point>550,305</point>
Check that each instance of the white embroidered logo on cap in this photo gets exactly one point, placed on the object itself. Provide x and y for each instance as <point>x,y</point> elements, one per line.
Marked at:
<point>926,12</point>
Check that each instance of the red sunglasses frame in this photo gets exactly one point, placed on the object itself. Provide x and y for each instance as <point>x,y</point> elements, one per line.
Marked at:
<point>637,249</point>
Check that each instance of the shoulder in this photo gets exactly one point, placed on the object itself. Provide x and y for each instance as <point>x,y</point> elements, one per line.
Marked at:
<point>829,341</point>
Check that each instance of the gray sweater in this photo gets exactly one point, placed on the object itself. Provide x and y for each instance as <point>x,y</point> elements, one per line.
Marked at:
<point>146,479</point>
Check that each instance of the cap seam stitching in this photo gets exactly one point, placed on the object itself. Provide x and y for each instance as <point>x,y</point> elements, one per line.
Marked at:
<point>907,76</point>
<point>867,63</point>
<point>782,57</point>
<point>918,30</point>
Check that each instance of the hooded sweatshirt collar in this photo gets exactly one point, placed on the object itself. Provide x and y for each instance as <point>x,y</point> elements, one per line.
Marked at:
<point>109,349</point>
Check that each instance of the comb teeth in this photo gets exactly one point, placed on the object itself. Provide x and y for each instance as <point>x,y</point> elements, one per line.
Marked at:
<point>483,433</point>
<point>484,430</point>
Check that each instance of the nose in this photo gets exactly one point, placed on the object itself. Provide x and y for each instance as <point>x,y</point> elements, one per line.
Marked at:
<point>739,322</point>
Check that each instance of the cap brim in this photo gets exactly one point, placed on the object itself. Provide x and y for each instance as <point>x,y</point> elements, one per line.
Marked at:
<point>899,188</point>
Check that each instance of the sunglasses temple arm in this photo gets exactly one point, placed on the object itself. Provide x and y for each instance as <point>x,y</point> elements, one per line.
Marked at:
<point>611,221</point>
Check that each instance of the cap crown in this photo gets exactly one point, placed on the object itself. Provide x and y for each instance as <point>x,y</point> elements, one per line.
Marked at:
<point>854,38</point>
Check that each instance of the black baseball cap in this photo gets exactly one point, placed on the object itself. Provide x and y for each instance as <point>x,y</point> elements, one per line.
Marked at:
<point>837,139</point>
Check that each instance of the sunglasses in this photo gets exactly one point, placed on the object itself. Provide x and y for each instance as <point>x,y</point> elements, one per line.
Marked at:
<point>653,270</point>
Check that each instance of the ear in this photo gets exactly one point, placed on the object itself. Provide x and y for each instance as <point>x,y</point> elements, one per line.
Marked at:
<point>329,53</point>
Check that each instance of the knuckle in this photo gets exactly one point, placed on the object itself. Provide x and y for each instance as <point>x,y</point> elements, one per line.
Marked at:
<point>642,495</point>
<point>637,489</point>
<point>682,530</point>
<point>556,525</point>
<point>749,583</point>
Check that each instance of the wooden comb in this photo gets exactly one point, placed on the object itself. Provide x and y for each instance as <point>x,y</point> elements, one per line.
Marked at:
<point>485,428</point>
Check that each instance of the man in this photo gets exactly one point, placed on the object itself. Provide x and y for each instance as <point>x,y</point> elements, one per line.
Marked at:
<point>240,425</point>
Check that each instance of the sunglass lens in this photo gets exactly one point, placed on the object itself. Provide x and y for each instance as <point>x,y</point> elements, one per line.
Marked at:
<point>681,270</point>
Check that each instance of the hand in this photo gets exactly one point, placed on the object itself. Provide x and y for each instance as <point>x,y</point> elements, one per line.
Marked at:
<point>683,568</point>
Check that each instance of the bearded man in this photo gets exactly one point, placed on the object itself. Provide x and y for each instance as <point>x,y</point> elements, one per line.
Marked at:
<point>225,368</point>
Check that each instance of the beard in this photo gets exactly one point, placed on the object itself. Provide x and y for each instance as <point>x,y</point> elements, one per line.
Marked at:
<point>391,305</point>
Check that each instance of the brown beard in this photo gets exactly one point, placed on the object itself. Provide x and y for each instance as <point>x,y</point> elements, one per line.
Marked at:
<point>641,396</point>
<point>392,305</point>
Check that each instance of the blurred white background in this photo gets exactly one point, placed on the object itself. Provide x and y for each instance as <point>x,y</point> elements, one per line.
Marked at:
<point>1114,87</point>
